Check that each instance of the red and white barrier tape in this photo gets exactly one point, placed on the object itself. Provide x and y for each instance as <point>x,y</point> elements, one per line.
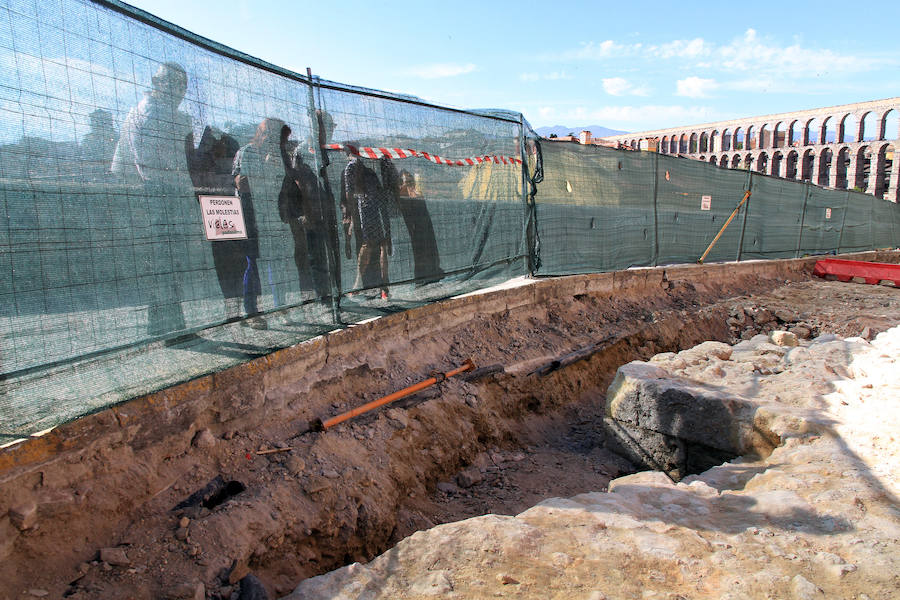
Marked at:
<point>369,152</point>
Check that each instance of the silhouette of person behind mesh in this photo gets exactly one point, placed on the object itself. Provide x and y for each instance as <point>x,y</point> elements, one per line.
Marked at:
<point>98,145</point>
<point>259,173</point>
<point>364,205</point>
<point>211,173</point>
<point>319,211</point>
<point>414,210</point>
<point>152,155</point>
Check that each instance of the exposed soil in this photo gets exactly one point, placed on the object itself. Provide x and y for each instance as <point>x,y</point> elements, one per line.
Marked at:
<point>303,503</point>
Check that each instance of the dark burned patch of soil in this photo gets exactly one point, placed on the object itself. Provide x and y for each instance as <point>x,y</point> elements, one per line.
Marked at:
<point>497,444</point>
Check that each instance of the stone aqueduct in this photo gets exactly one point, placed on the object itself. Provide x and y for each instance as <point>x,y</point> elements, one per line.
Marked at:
<point>845,147</point>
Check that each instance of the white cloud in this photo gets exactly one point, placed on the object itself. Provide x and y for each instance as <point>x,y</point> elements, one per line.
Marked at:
<point>695,48</point>
<point>695,87</point>
<point>441,70</point>
<point>748,52</point>
<point>631,118</point>
<point>617,86</point>
<point>596,51</point>
<point>752,53</point>
<point>554,76</point>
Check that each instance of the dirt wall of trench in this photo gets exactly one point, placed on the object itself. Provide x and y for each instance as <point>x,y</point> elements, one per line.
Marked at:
<point>111,479</point>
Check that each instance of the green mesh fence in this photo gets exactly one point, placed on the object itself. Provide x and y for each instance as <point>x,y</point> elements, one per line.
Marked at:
<point>594,207</point>
<point>174,207</point>
<point>773,218</point>
<point>693,202</point>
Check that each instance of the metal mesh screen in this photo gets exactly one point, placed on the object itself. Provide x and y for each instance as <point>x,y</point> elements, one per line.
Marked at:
<point>174,207</point>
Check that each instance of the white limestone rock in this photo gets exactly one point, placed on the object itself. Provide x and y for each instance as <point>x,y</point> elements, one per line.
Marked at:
<point>814,519</point>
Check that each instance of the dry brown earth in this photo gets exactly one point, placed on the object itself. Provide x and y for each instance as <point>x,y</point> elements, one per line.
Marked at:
<point>104,524</point>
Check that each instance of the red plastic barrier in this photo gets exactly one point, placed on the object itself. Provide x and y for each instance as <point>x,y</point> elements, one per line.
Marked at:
<point>845,270</point>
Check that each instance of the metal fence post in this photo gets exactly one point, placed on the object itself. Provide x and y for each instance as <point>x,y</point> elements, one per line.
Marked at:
<point>321,162</point>
<point>529,214</point>
<point>655,211</point>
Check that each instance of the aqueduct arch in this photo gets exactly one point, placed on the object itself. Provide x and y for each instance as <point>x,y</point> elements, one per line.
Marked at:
<point>849,146</point>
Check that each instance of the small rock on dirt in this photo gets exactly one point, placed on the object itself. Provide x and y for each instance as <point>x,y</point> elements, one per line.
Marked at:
<point>398,418</point>
<point>448,488</point>
<point>295,465</point>
<point>786,315</point>
<point>24,516</point>
<point>204,439</point>
<point>469,477</point>
<point>804,589</point>
<point>194,591</point>
<point>783,338</point>
<point>801,331</point>
<point>239,570</point>
<point>115,557</point>
<point>252,589</point>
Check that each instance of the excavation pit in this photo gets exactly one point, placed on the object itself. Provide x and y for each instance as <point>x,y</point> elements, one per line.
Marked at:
<point>314,501</point>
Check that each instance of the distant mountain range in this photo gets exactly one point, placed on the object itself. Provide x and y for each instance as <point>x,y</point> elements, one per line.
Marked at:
<point>561,130</point>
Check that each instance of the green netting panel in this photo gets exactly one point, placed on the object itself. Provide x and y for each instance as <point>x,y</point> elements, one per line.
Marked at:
<point>694,199</point>
<point>594,209</point>
<point>822,221</point>
<point>858,228</point>
<point>114,124</point>
<point>886,220</point>
<point>445,195</point>
<point>773,218</point>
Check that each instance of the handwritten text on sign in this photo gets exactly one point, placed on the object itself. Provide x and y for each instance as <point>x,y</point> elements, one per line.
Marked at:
<point>223,218</point>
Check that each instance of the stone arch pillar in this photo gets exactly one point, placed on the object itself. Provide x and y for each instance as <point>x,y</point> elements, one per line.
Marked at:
<point>814,170</point>
<point>852,176</point>
<point>876,166</point>
<point>833,170</point>
<point>860,124</point>
<point>895,175</point>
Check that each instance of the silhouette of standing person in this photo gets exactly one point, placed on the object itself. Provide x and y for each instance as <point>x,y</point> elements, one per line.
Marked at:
<point>411,203</point>
<point>211,173</point>
<point>319,211</point>
<point>152,156</point>
<point>364,208</point>
<point>258,176</point>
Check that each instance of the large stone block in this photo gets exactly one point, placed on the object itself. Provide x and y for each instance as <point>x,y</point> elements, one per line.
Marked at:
<point>647,397</point>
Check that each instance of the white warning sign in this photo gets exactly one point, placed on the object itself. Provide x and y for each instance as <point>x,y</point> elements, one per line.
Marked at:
<point>223,218</point>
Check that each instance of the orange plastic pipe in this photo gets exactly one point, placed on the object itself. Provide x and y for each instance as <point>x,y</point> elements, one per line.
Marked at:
<point>466,366</point>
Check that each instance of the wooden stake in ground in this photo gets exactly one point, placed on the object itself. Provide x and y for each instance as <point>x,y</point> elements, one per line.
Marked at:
<point>721,231</point>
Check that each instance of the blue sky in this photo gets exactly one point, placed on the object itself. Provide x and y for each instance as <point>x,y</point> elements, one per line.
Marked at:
<point>624,65</point>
